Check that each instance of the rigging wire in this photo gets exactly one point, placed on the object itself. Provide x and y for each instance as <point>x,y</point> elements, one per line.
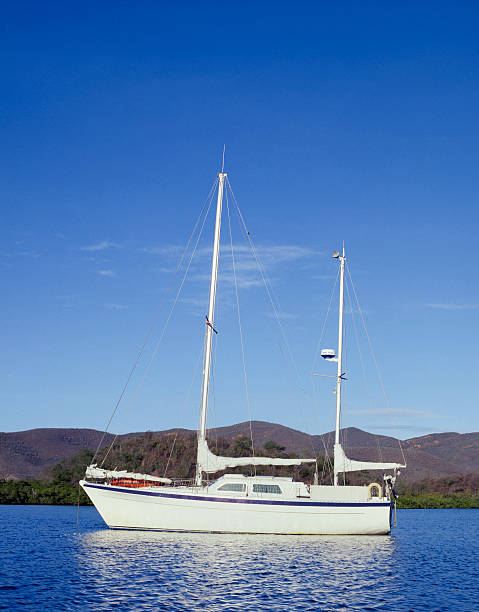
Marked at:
<point>269,293</point>
<point>344,389</point>
<point>171,453</point>
<point>211,394</point>
<point>240,329</point>
<point>361,360</point>
<point>212,404</point>
<point>155,320</point>
<point>273,301</point>
<point>268,287</point>
<point>375,363</point>
<point>187,399</point>
<point>162,335</point>
<point>328,462</point>
<point>318,345</point>
<point>213,387</point>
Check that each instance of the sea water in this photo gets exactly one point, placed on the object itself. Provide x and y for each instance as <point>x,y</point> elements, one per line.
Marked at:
<point>430,562</point>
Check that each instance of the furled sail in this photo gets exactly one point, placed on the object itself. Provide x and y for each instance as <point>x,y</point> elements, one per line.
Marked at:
<point>210,463</point>
<point>93,471</point>
<point>344,464</point>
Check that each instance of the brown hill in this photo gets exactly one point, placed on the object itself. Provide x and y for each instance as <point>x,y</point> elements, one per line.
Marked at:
<point>427,457</point>
<point>26,454</point>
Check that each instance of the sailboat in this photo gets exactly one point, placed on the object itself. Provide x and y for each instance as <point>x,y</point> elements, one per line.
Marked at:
<point>237,503</point>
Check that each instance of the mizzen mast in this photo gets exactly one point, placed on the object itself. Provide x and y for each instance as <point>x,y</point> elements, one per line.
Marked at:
<point>342,463</point>
<point>342,259</point>
<point>210,320</point>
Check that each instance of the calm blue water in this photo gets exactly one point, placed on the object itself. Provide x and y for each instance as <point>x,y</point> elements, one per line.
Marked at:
<point>431,562</point>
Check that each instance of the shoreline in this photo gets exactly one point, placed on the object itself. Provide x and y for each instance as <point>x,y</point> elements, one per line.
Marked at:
<point>45,493</point>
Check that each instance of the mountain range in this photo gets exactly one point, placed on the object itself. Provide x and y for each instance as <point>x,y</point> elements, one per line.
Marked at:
<point>29,454</point>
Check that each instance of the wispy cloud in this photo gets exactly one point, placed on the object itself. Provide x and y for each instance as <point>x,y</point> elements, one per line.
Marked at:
<point>71,300</point>
<point>355,311</point>
<point>26,254</point>
<point>99,246</point>
<point>406,412</point>
<point>452,306</point>
<point>267,254</point>
<point>247,273</point>
<point>417,429</point>
<point>168,250</point>
<point>106,273</point>
<point>192,301</point>
<point>244,281</point>
<point>194,306</point>
<point>116,306</point>
<point>283,315</point>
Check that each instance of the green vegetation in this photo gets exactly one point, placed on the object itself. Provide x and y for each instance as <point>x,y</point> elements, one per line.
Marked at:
<point>41,492</point>
<point>461,491</point>
<point>59,488</point>
<point>174,454</point>
<point>436,500</point>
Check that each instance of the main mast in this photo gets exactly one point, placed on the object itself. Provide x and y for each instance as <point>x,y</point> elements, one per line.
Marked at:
<point>342,259</point>
<point>210,320</point>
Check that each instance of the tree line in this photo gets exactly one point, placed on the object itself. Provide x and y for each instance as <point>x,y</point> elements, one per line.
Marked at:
<point>174,455</point>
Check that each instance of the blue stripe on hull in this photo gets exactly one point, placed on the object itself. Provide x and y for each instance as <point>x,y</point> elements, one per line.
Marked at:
<point>266,533</point>
<point>272,502</point>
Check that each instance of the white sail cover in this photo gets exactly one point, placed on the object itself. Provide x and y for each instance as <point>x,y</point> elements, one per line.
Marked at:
<point>344,464</point>
<point>210,463</point>
<point>93,471</point>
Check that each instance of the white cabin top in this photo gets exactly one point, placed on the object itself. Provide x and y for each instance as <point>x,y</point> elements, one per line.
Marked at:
<point>258,486</point>
<point>251,478</point>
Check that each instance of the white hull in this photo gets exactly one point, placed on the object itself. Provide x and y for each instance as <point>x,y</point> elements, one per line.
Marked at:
<point>181,509</point>
<point>236,503</point>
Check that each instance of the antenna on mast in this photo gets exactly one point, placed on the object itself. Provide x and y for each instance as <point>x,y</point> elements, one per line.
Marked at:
<point>223,163</point>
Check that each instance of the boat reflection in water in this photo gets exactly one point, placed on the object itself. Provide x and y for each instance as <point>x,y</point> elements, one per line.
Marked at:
<point>180,571</point>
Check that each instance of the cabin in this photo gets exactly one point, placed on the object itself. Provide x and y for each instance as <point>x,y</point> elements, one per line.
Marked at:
<point>260,487</point>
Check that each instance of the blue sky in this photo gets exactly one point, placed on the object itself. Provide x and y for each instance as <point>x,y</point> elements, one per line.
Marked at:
<point>342,121</point>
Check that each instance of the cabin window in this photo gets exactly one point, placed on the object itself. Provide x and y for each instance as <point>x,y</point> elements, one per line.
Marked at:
<point>237,487</point>
<point>266,488</point>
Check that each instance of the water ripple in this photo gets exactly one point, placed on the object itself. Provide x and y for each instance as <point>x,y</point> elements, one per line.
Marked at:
<point>48,565</point>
